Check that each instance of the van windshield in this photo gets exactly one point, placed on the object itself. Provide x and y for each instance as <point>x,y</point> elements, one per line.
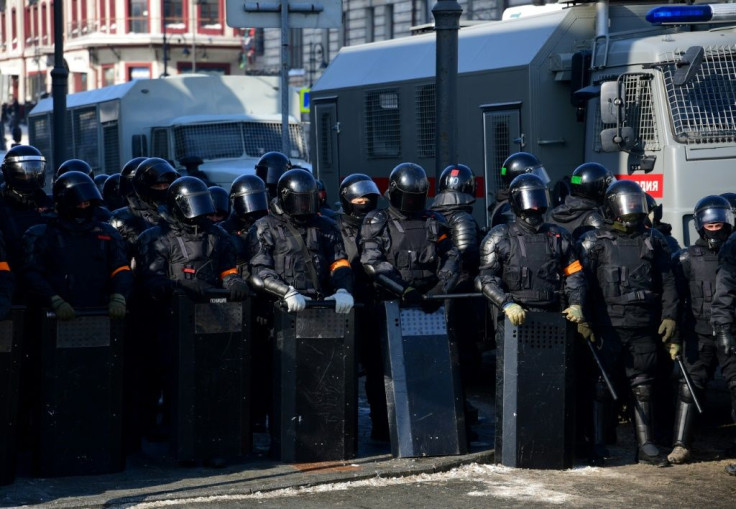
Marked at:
<point>703,110</point>
<point>236,139</point>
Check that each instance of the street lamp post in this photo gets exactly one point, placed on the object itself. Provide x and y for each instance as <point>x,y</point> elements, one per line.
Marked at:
<point>59,88</point>
<point>164,3</point>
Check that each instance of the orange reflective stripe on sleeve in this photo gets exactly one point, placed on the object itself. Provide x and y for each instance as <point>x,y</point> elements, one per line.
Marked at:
<point>228,272</point>
<point>119,269</point>
<point>442,237</point>
<point>342,262</point>
<point>572,268</point>
<point>4,266</point>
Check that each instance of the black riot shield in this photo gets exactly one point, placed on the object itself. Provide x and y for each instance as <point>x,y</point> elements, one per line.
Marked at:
<point>534,393</point>
<point>211,385</point>
<point>422,379</point>
<point>315,389</point>
<point>80,416</point>
<point>11,334</point>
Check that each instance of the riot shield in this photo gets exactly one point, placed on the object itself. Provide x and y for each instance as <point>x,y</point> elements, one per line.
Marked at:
<point>422,379</point>
<point>211,384</point>
<point>80,417</point>
<point>11,335</point>
<point>534,393</point>
<point>315,388</point>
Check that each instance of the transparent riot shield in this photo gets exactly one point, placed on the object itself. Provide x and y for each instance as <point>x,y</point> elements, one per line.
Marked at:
<point>422,379</point>
<point>534,393</point>
<point>11,335</point>
<point>315,410</point>
<point>80,416</point>
<point>211,385</point>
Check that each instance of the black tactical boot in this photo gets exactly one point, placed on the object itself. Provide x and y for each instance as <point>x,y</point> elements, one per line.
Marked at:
<point>684,415</point>
<point>647,452</point>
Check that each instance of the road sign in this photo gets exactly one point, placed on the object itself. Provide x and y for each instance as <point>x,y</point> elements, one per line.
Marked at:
<point>302,14</point>
<point>304,100</point>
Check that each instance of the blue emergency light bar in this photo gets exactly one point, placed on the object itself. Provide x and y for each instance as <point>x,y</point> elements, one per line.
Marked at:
<point>687,14</point>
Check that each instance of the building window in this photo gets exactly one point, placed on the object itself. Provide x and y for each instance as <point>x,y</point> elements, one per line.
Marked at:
<point>14,28</point>
<point>138,72</point>
<point>108,75</point>
<point>138,21</point>
<point>209,15</point>
<point>370,25</point>
<point>388,22</point>
<point>173,16</point>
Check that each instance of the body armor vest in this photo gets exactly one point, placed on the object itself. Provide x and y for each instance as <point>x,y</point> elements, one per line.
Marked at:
<point>413,250</point>
<point>702,284</point>
<point>533,275</point>
<point>289,260</point>
<point>193,259</point>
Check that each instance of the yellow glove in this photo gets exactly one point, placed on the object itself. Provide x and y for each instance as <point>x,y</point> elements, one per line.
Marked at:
<point>574,314</point>
<point>116,307</point>
<point>64,311</point>
<point>667,329</point>
<point>674,349</point>
<point>516,313</point>
<point>585,331</point>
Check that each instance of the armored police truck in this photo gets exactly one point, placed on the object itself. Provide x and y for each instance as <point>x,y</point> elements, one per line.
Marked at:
<point>647,90</point>
<point>227,121</point>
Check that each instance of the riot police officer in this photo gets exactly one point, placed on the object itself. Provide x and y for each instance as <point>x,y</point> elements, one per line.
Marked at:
<point>581,210</point>
<point>221,199</point>
<point>300,254</point>
<point>74,260</point>
<point>323,207</point>
<point>695,273</point>
<point>358,196</point>
<point>406,249</point>
<point>111,193</point>
<point>654,220</point>
<point>23,203</point>
<point>143,184</point>
<point>101,213</point>
<point>731,197</point>
<point>455,202</point>
<point>270,167</point>
<point>631,281</point>
<point>514,165</point>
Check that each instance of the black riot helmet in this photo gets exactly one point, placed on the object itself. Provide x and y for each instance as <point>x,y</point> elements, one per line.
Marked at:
<point>248,195</point>
<point>188,199</point>
<point>152,178</point>
<point>127,174</point>
<point>520,163</point>
<point>731,197</point>
<point>74,165</point>
<point>626,203</point>
<point>24,168</point>
<point>72,189</point>
<point>358,185</point>
<point>111,192</point>
<point>590,180</point>
<point>529,198</point>
<point>100,180</point>
<point>407,188</point>
<point>221,200</point>
<point>297,193</point>
<point>711,210</point>
<point>458,177</point>
<point>270,167</point>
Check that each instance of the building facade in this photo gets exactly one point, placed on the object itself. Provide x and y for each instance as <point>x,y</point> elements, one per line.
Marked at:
<point>113,41</point>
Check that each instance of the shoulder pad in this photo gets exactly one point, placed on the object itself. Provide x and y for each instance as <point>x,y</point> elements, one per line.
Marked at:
<point>433,214</point>
<point>376,217</point>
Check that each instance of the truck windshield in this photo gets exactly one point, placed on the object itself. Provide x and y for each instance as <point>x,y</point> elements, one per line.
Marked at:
<point>703,110</point>
<point>236,139</point>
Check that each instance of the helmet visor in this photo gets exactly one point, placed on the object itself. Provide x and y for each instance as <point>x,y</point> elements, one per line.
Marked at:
<point>713,215</point>
<point>247,203</point>
<point>195,204</point>
<point>27,169</point>
<point>626,204</point>
<point>531,199</point>
<point>360,189</point>
<point>300,204</point>
<point>86,192</point>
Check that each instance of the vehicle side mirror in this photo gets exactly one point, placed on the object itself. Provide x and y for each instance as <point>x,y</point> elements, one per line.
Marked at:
<point>617,139</point>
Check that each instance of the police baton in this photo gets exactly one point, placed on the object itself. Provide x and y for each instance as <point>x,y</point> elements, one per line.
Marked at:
<point>445,296</point>
<point>689,383</point>
<point>602,370</point>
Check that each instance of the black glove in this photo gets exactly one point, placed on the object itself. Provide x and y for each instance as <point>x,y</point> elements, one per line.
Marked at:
<point>239,290</point>
<point>411,296</point>
<point>725,342</point>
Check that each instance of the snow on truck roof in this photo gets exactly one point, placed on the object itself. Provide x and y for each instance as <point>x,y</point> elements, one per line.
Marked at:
<point>492,45</point>
<point>250,94</point>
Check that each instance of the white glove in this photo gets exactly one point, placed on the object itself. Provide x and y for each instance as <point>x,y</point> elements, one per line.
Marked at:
<point>343,301</point>
<point>295,301</point>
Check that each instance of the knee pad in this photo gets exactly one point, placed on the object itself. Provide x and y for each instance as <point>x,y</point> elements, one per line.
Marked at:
<point>642,392</point>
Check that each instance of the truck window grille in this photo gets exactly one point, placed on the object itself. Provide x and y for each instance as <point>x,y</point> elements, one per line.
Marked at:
<point>501,135</point>
<point>110,147</point>
<point>702,110</point>
<point>426,114</point>
<point>382,136</point>
<point>325,140</point>
<point>262,137</point>
<point>39,134</point>
<point>160,143</point>
<point>86,136</point>
<point>638,112</point>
